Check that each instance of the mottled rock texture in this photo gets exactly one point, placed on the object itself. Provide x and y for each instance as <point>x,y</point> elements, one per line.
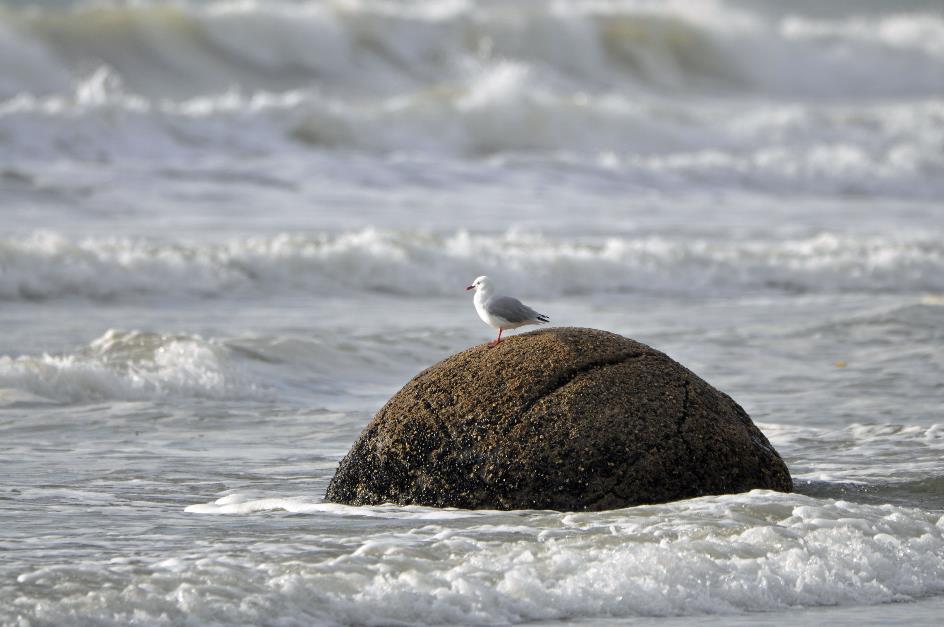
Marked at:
<point>562,418</point>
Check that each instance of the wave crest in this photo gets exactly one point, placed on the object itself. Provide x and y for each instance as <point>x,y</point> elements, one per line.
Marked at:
<point>47,265</point>
<point>186,49</point>
<point>126,365</point>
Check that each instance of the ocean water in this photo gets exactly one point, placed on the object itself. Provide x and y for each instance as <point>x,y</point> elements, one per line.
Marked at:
<point>230,230</point>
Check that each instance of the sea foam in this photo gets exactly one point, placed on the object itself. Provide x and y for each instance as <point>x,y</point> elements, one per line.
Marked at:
<point>127,365</point>
<point>753,552</point>
<point>48,265</point>
<point>507,114</point>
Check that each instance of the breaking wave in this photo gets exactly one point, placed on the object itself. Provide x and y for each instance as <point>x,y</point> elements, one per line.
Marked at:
<point>503,113</point>
<point>752,552</point>
<point>126,365</point>
<point>47,265</point>
<point>393,46</point>
<point>671,92</point>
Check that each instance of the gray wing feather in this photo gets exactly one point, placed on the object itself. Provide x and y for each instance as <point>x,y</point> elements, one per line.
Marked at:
<point>511,309</point>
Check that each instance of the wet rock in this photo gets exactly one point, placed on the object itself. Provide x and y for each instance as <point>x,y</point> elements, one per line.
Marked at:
<point>562,418</point>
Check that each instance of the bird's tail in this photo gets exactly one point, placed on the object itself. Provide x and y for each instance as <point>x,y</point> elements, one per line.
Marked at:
<point>542,319</point>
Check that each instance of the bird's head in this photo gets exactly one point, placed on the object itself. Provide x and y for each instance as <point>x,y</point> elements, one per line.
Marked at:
<point>481,283</point>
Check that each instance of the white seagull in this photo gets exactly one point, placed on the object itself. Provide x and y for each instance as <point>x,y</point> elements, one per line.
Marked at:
<point>501,312</point>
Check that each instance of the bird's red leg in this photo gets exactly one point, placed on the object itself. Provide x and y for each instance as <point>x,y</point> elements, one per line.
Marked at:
<point>497,340</point>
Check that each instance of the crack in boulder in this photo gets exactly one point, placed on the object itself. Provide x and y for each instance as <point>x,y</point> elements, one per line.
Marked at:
<point>562,381</point>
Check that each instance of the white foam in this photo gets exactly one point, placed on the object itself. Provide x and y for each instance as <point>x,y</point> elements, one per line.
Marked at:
<point>504,110</point>
<point>125,365</point>
<point>909,453</point>
<point>48,265</point>
<point>244,504</point>
<point>728,554</point>
<point>755,552</point>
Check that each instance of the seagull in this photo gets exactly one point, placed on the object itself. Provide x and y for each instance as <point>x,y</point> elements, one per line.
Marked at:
<point>501,312</point>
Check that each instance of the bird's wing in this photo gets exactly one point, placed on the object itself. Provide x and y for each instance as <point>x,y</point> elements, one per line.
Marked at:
<point>511,309</point>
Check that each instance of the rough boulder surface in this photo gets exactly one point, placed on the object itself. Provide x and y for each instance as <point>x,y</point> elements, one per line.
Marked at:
<point>563,418</point>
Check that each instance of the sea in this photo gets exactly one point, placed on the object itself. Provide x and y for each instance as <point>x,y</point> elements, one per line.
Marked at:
<point>230,230</point>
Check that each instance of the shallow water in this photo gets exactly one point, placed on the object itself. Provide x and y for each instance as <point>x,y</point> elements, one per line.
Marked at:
<point>232,230</point>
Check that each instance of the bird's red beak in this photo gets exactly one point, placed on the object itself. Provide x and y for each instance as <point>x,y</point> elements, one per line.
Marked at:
<point>471,287</point>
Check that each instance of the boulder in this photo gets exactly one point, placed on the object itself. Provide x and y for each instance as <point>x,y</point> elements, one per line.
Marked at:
<point>567,419</point>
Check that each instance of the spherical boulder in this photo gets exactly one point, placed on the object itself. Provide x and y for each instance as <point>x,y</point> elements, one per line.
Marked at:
<point>567,419</point>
